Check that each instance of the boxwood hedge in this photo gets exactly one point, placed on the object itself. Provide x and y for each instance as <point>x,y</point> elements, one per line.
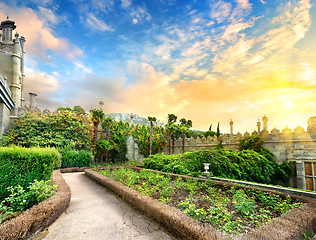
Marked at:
<point>245,165</point>
<point>21,166</point>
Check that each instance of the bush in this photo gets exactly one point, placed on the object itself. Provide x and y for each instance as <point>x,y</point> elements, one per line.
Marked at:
<point>21,198</point>
<point>21,166</point>
<point>75,158</point>
<point>51,130</point>
<point>246,165</point>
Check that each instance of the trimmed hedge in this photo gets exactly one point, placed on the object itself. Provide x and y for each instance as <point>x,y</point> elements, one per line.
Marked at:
<point>21,166</point>
<point>246,165</point>
<point>75,158</point>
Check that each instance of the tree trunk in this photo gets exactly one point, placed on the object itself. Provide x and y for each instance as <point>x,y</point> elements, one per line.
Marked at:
<point>101,156</point>
<point>183,139</point>
<point>173,140</point>
<point>107,139</point>
<point>151,138</point>
<point>169,143</point>
<point>94,140</point>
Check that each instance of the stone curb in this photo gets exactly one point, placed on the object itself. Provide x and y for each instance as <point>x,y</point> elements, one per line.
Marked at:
<point>39,216</point>
<point>173,220</point>
<point>290,225</point>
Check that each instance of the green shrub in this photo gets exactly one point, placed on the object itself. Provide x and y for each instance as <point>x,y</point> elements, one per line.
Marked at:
<point>246,165</point>
<point>21,166</point>
<point>20,198</point>
<point>75,158</point>
<point>51,130</point>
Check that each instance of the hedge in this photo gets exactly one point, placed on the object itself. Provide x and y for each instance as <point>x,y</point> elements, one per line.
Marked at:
<point>246,165</point>
<point>21,166</point>
<point>75,158</point>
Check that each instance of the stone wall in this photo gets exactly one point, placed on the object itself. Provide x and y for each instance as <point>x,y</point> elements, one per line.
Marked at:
<point>285,146</point>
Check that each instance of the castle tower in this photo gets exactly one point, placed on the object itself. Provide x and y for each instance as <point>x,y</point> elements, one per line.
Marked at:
<point>231,123</point>
<point>101,103</point>
<point>259,126</point>
<point>265,123</point>
<point>12,68</point>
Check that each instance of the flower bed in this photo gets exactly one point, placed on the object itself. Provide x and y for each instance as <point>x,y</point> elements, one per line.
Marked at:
<point>227,208</point>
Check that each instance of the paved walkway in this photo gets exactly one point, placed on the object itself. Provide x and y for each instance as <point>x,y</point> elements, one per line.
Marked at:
<point>96,213</point>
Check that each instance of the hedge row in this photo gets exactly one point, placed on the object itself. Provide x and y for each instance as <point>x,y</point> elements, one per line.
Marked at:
<point>75,158</point>
<point>246,165</point>
<point>21,166</point>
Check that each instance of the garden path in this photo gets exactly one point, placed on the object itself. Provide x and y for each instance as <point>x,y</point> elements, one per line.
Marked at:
<point>95,213</point>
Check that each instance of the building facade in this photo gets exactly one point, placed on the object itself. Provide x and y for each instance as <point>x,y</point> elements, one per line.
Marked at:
<point>11,74</point>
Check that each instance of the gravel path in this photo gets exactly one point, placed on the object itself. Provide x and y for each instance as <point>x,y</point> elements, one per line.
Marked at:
<point>96,213</point>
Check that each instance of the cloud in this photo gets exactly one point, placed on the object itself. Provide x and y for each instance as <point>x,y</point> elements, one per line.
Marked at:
<point>126,3</point>
<point>220,11</point>
<point>95,24</point>
<point>43,84</point>
<point>139,14</point>
<point>39,37</point>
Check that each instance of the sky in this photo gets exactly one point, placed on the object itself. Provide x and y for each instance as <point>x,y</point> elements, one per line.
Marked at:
<point>205,60</point>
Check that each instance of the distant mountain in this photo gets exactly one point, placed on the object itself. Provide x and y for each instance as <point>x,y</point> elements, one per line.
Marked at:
<point>125,117</point>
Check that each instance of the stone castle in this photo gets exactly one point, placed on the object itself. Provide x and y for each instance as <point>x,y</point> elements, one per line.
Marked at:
<point>12,103</point>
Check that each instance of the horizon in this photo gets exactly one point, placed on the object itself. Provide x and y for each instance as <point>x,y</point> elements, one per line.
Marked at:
<point>207,61</point>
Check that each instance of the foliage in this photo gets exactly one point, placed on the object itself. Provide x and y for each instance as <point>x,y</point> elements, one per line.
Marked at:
<point>245,165</point>
<point>209,134</point>
<point>251,142</point>
<point>21,166</point>
<point>255,142</point>
<point>206,201</point>
<point>50,130</point>
<point>74,158</point>
<point>20,198</point>
<point>141,135</point>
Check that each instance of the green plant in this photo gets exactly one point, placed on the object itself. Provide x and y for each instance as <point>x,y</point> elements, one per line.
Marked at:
<point>243,204</point>
<point>21,166</point>
<point>20,198</point>
<point>75,158</point>
<point>230,209</point>
<point>50,130</point>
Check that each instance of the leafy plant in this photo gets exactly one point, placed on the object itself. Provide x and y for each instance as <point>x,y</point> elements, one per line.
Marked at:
<point>50,130</point>
<point>20,198</point>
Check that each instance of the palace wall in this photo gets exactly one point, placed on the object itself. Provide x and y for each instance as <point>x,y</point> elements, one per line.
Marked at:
<point>285,146</point>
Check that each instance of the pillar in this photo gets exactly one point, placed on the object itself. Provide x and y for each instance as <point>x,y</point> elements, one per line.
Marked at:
<point>231,123</point>
<point>259,126</point>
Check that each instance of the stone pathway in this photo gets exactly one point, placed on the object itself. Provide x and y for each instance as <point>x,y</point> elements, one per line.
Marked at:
<point>96,213</point>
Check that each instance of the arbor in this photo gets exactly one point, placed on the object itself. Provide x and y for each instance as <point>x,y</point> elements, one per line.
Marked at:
<point>151,120</point>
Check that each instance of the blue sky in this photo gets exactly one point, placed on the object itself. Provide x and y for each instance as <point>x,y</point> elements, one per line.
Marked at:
<point>204,60</point>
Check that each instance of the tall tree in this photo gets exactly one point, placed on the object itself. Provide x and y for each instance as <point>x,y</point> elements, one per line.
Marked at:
<point>106,124</point>
<point>96,116</point>
<point>185,125</point>
<point>151,120</point>
<point>218,133</point>
<point>172,130</point>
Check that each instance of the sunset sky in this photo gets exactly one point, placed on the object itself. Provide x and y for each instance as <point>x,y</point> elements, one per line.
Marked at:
<point>205,60</point>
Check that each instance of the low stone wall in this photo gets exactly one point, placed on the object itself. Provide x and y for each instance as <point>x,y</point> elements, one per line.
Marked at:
<point>40,215</point>
<point>290,225</point>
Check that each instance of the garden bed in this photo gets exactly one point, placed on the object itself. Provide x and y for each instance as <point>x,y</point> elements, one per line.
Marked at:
<point>39,216</point>
<point>235,211</point>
